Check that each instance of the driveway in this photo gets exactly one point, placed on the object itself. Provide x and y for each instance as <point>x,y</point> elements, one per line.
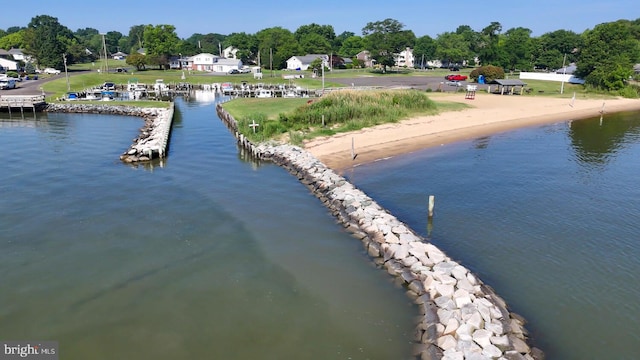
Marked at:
<point>34,87</point>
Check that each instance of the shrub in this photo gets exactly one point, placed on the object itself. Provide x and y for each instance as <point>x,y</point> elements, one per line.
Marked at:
<point>489,72</point>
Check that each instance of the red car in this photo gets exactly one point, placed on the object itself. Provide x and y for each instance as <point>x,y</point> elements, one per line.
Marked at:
<point>456,77</point>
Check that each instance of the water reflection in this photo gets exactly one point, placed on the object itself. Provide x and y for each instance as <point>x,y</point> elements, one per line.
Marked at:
<point>596,141</point>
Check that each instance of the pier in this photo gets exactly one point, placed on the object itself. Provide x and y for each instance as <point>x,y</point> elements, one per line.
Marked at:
<point>16,103</point>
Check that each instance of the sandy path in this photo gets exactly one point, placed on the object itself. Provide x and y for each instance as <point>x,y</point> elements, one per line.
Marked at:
<point>489,114</point>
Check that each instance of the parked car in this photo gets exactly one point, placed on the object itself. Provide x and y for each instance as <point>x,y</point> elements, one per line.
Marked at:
<point>121,70</point>
<point>51,71</point>
<point>233,71</point>
<point>455,77</point>
<point>7,83</point>
<point>454,83</point>
<point>108,86</point>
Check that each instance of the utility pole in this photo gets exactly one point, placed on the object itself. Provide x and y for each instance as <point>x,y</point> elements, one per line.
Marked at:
<point>564,72</point>
<point>66,74</point>
<point>104,46</point>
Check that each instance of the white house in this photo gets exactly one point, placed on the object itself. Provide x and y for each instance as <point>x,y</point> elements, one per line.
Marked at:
<point>18,55</point>
<point>202,62</point>
<point>119,56</point>
<point>404,58</point>
<point>213,63</point>
<point>303,62</point>
<point>9,64</point>
<point>230,52</point>
<point>224,65</point>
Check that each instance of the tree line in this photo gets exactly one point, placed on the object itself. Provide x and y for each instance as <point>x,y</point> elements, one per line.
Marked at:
<point>604,55</point>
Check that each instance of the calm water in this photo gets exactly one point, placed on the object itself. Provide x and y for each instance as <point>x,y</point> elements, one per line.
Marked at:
<point>547,216</point>
<point>203,256</point>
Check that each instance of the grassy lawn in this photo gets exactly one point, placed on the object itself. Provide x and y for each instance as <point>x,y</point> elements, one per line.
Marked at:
<point>269,108</point>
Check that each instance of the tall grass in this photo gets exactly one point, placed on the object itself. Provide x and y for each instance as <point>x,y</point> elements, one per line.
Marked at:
<point>339,111</point>
<point>364,107</point>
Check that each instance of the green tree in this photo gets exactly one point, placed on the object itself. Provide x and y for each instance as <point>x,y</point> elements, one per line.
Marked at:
<point>489,51</point>
<point>112,39</point>
<point>186,48</point>
<point>45,40</point>
<point>386,38</point>
<point>452,48</point>
<point>161,42</point>
<point>76,52</point>
<point>209,43</point>
<point>550,48</point>
<point>324,31</point>
<point>137,60</point>
<point>338,42</point>
<point>246,44</point>
<point>13,40</point>
<point>314,44</point>
<point>424,49</point>
<point>316,65</point>
<point>518,49</point>
<point>135,39</point>
<point>610,50</point>
<point>14,29</point>
<point>276,45</point>
<point>351,46</point>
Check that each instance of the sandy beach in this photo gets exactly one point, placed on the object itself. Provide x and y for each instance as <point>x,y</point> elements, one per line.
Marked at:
<point>489,114</point>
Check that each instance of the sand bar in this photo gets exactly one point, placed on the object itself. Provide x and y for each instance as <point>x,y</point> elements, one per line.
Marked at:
<point>489,114</point>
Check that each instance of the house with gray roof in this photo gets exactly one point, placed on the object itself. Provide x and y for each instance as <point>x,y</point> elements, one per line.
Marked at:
<point>303,62</point>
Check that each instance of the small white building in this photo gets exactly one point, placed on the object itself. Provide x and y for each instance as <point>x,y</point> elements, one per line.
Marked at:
<point>18,55</point>
<point>119,56</point>
<point>303,62</point>
<point>224,65</point>
<point>230,52</point>
<point>9,64</point>
<point>404,58</point>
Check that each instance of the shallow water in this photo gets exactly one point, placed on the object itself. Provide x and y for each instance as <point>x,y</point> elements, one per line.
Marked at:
<point>204,255</point>
<point>547,216</point>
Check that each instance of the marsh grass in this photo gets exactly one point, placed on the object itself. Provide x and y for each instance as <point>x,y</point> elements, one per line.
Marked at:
<point>343,111</point>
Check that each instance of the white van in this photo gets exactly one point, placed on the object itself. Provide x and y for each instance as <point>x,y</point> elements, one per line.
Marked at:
<point>7,83</point>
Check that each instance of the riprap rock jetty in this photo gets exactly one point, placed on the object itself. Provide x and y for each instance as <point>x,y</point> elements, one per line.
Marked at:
<point>460,316</point>
<point>153,139</point>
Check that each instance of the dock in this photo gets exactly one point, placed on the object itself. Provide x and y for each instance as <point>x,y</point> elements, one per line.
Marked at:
<point>15,103</point>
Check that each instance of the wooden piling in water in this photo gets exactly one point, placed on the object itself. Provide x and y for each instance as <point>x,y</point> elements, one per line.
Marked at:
<point>432,203</point>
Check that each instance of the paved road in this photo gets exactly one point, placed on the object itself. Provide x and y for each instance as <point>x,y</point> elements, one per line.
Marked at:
<point>28,87</point>
<point>34,87</point>
<point>416,82</point>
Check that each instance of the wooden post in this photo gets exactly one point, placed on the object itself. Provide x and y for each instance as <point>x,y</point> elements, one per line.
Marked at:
<point>432,201</point>
<point>322,120</point>
<point>353,150</point>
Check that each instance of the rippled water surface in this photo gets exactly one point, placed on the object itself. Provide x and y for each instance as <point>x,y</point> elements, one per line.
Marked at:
<point>203,256</point>
<point>547,216</point>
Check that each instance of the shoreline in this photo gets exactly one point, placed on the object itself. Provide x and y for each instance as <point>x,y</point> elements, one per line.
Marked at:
<point>489,114</point>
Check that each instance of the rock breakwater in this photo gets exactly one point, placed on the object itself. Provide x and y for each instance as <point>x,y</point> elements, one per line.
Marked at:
<point>460,316</point>
<point>153,139</point>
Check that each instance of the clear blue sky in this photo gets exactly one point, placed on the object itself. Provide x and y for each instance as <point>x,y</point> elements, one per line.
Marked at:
<point>225,17</point>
